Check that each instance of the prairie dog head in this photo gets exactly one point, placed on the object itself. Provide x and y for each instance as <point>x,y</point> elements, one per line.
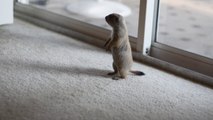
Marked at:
<point>115,20</point>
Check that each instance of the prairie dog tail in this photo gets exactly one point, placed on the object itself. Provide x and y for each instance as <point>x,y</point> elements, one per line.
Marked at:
<point>138,73</point>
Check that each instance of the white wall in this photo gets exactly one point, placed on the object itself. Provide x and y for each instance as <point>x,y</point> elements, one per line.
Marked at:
<point>6,12</point>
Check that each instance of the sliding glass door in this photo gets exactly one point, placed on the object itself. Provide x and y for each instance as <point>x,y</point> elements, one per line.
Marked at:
<point>183,34</point>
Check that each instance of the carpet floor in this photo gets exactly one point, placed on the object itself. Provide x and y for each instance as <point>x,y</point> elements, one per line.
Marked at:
<point>48,76</point>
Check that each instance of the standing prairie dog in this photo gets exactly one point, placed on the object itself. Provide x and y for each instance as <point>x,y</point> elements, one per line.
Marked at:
<point>119,45</point>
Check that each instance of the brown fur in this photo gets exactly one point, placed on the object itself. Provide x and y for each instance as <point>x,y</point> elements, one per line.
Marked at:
<point>119,45</point>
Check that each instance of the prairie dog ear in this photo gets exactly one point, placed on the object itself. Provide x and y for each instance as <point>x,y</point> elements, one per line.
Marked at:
<point>117,19</point>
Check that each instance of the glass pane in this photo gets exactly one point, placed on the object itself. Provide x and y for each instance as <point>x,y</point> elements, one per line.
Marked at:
<point>93,11</point>
<point>187,25</point>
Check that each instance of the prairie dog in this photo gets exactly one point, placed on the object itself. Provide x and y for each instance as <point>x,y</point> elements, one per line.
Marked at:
<point>119,45</point>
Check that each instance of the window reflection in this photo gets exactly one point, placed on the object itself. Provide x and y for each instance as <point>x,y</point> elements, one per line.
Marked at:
<point>93,11</point>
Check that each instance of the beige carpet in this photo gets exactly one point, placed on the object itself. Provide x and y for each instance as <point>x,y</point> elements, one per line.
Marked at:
<point>48,76</point>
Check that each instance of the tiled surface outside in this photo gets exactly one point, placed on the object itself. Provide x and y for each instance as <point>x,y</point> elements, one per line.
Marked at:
<point>187,24</point>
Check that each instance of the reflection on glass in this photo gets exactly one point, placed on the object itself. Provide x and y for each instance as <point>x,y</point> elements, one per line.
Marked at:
<point>93,11</point>
<point>187,25</point>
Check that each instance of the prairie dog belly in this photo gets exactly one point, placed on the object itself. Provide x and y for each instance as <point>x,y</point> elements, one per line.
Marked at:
<point>121,58</point>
